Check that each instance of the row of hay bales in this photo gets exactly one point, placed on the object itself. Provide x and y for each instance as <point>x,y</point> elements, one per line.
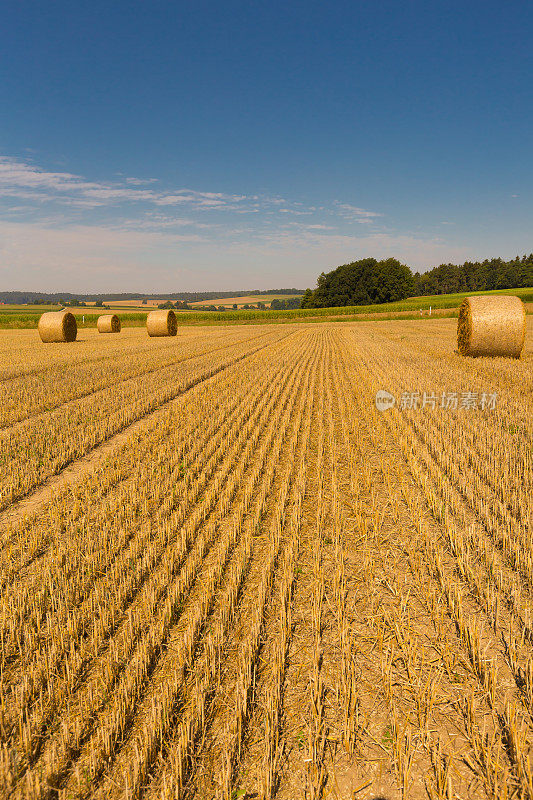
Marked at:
<point>61,326</point>
<point>491,325</point>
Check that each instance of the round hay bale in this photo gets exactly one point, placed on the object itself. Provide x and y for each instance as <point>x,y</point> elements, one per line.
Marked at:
<point>162,323</point>
<point>58,326</point>
<point>108,323</point>
<point>491,325</point>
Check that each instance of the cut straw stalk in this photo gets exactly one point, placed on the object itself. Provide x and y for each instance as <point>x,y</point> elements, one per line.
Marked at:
<point>491,325</point>
<point>58,326</point>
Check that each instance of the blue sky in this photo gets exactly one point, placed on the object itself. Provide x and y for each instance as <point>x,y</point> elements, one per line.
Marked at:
<point>150,146</point>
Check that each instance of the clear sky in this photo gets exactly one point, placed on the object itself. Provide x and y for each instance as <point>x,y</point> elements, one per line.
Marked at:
<point>193,144</point>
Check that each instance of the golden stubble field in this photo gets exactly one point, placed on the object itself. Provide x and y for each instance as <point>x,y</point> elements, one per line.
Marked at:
<point>225,574</point>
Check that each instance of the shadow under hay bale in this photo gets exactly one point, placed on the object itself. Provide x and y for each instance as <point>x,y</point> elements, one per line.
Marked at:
<point>162,323</point>
<point>58,326</point>
<point>108,323</point>
<point>491,325</point>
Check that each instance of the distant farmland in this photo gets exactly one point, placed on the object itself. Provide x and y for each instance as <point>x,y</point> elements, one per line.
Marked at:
<point>135,316</point>
<point>228,302</point>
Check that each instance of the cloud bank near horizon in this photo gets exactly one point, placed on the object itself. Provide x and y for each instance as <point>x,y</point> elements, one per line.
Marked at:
<point>62,232</point>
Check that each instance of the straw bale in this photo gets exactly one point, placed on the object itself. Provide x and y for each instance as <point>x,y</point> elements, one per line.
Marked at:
<point>491,325</point>
<point>58,326</point>
<point>108,323</point>
<point>162,322</point>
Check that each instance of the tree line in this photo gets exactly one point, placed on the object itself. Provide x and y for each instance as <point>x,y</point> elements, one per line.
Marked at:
<point>49,298</point>
<point>369,281</point>
<point>473,276</point>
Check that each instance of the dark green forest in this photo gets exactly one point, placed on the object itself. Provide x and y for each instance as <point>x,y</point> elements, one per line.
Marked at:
<point>361,283</point>
<point>473,276</point>
<point>371,281</point>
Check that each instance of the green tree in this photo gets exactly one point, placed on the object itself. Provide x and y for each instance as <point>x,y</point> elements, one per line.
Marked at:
<point>360,283</point>
<point>307,299</point>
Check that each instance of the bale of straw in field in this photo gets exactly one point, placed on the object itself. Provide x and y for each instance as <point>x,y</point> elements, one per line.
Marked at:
<point>58,326</point>
<point>108,323</point>
<point>162,323</point>
<point>491,325</point>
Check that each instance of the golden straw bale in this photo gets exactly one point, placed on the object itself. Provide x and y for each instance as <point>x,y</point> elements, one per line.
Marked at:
<point>108,323</point>
<point>58,326</point>
<point>491,325</point>
<point>162,323</point>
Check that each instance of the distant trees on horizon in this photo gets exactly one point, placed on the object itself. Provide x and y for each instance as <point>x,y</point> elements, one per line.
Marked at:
<point>281,305</point>
<point>370,281</point>
<point>475,276</point>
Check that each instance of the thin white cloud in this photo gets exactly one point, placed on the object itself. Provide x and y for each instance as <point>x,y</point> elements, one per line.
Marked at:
<point>305,226</point>
<point>141,181</point>
<point>26,181</point>
<point>78,234</point>
<point>349,211</point>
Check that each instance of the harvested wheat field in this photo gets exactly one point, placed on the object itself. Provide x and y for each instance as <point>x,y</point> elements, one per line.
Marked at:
<point>224,573</point>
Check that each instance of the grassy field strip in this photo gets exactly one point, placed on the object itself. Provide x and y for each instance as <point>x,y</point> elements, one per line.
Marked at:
<point>499,493</point>
<point>69,475</point>
<point>38,393</point>
<point>201,551</point>
<point>238,650</point>
<point>71,554</point>
<point>175,518</point>
<point>43,447</point>
<point>20,320</point>
<point>266,745</point>
<point>440,343</point>
<point>252,502</point>
<point>474,632</point>
<point>19,544</point>
<point>235,724</point>
<point>473,450</point>
<point>382,565</point>
<point>102,495</point>
<point>22,354</point>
